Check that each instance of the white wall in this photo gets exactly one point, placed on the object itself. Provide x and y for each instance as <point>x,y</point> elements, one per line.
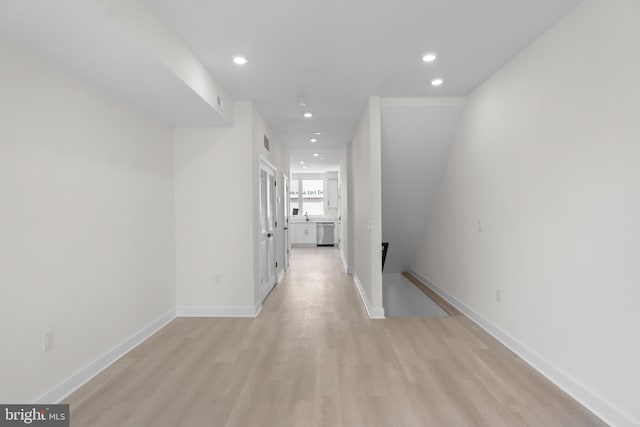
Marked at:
<point>216,211</point>
<point>547,158</point>
<point>417,134</point>
<point>365,207</point>
<point>279,158</point>
<point>214,216</point>
<point>86,220</point>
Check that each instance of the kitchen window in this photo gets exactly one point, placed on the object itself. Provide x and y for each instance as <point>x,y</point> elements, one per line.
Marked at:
<point>307,196</point>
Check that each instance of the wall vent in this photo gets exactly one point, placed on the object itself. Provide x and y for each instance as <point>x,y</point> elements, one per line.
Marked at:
<point>266,142</point>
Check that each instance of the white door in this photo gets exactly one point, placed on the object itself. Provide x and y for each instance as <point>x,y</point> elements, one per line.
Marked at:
<point>287,243</point>
<point>272,258</point>
<point>267,230</point>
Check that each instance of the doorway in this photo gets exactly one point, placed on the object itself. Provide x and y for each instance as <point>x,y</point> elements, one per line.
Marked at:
<point>267,229</point>
<point>287,244</point>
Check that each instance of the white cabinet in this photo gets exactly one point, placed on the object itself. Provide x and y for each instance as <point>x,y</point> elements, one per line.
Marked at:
<point>311,238</point>
<point>296,232</point>
<point>304,233</point>
<point>332,193</point>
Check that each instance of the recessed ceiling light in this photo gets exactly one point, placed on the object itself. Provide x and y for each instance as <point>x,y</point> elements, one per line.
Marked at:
<point>318,133</point>
<point>429,57</point>
<point>321,158</point>
<point>313,140</point>
<point>315,154</point>
<point>436,82</point>
<point>240,60</point>
<point>304,167</point>
<point>308,115</point>
<point>301,162</point>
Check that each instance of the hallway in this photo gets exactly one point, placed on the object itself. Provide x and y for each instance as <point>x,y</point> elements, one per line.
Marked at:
<point>312,357</point>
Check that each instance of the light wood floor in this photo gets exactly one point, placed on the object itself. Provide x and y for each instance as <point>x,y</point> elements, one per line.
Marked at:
<point>313,358</point>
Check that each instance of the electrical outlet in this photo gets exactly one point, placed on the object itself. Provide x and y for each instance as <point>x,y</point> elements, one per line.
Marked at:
<point>48,340</point>
<point>216,280</point>
<point>498,296</point>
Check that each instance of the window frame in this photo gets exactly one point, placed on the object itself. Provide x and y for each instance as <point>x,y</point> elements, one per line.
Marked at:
<point>300,201</point>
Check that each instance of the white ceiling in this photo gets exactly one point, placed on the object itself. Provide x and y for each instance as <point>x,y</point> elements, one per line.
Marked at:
<point>336,53</point>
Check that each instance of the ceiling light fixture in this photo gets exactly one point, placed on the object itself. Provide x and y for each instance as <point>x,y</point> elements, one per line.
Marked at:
<point>313,140</point>
<point>308,115</point>
<point>429,57</point>
<point>436,82</point>
<point>318,133</point>
<point>321,158</point>
<point>240,60</point>
<point>304,167</point>
<point>315,154</point>
<point>301,162</point>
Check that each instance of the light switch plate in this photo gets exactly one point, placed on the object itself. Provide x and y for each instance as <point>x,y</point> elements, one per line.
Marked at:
<point>48,340</point>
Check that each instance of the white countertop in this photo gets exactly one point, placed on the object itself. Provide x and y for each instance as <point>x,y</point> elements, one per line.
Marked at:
<point>297,221</point>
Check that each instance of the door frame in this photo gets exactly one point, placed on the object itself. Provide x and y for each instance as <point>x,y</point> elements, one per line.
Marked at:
<point>270,168</point>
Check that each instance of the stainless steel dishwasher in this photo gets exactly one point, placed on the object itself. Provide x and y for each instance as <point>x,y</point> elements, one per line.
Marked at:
<point>325,233</point>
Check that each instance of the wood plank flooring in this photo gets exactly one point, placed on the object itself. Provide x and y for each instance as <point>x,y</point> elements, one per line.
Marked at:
<point>451,310</point>
<point>313,358</point>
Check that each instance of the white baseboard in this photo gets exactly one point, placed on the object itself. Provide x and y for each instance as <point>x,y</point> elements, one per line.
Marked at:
<point>218,311</point>
<point>344,262</point>
<point>373,312</point>
<point>600,407</point>
<point>75,381</point>
<point>280,276</point>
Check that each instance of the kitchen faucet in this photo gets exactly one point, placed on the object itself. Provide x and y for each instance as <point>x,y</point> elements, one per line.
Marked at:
<point>306,214</point>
